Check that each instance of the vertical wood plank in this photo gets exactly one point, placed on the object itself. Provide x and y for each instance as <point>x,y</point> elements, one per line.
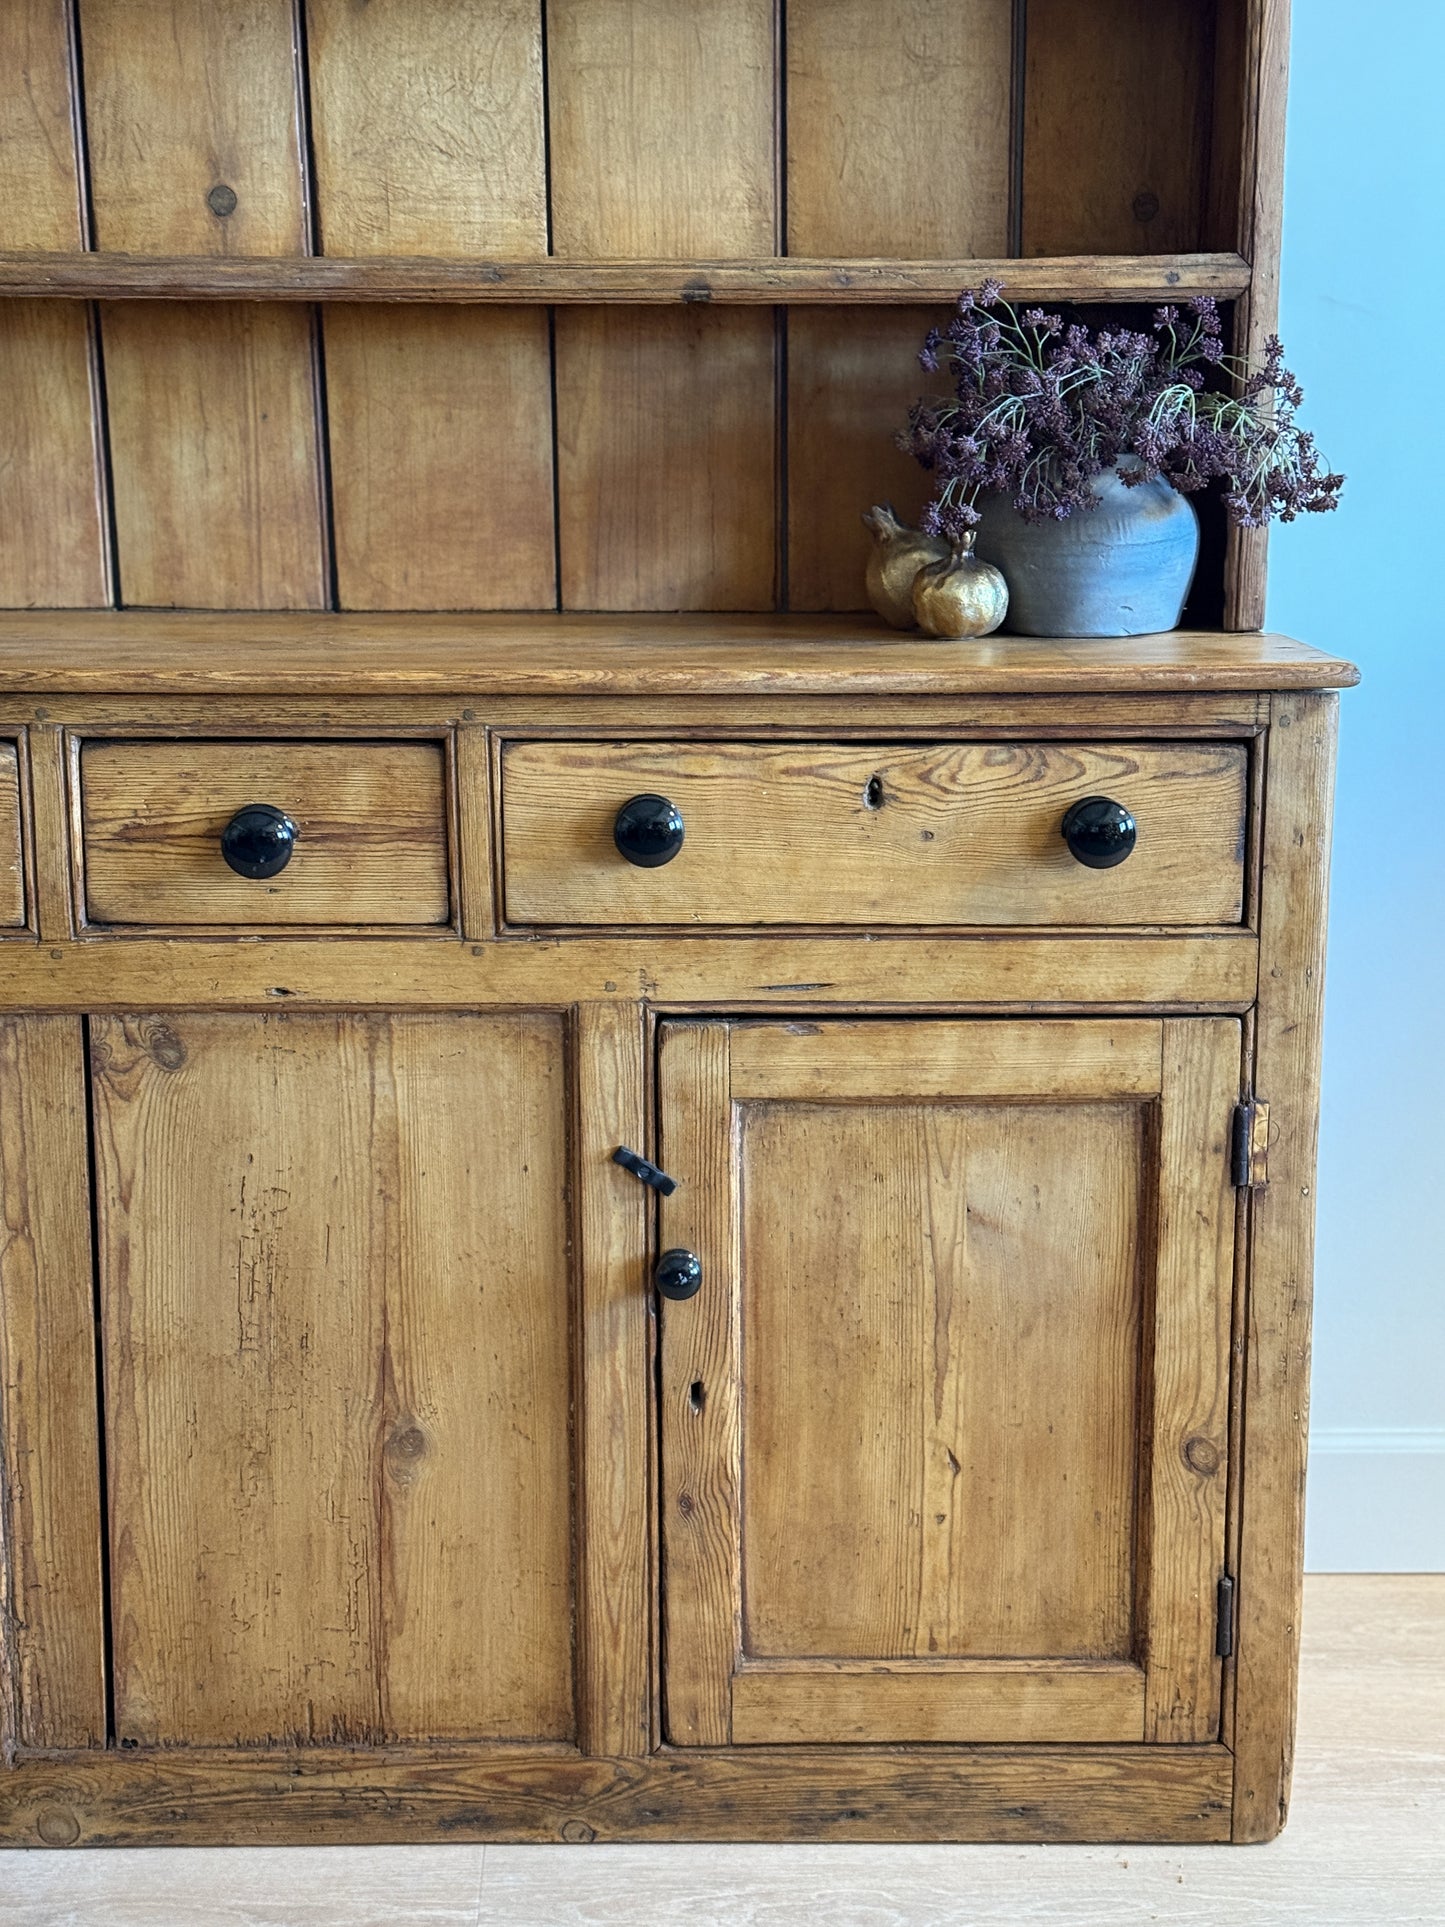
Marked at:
<point>51,1637</point>
<point>665,456</point>
<point>661,128</point>
<point>478,886</point>
<point>441,460</point>
<point>1260,135</point>
<point>53,552</point>
<point>427,123</point>
<point>614,1457</point>
<point>52,832</point>
<point>41,206</point>
<point>1299,784</point>
<point>214,455</point>
<point>1116,126</point>
<point>13,906</point>
<point>192,113</point>
<point>1190,1351</point>
<point>898,127</point>
<point>853,373</point>
<point>700,1474</point>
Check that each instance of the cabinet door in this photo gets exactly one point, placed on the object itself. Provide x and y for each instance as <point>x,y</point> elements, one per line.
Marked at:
<point>335,1307</point>
<point>944,1429</point>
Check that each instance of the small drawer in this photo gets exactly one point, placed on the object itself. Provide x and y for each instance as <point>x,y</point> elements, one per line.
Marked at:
<point>370,825</point>
<point>826,833</point>
<point>12,848</point>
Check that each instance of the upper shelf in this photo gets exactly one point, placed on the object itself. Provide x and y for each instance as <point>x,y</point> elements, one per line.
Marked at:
<point>767,280</point>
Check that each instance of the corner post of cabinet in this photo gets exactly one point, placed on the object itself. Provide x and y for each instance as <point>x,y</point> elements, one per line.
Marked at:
<point>1296,843</point>
<point>614,1647</point>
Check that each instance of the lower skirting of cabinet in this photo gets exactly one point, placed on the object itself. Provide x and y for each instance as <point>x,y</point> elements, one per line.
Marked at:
<point>1080,1793</point>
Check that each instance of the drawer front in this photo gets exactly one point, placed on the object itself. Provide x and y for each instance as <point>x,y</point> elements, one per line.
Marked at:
<point>12,865</point>
<point>824,833</point>
<point>371,833</point>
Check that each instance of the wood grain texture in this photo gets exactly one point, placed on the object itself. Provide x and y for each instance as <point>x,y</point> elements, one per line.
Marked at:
<point>1189,1354</point>
<point>665,456</point>
<point>371,844</point>
<point>52,505</point>
<point>1116,125</point>
<point>962,834</point>
<point>614,1424</point>
<point>661,128</point>
<point>898,127</point>
<point>851,381</point>
<point>477,657</point>
<point>315,1797</point>
<point>336,1310</point>
<point>427,123</point>
<point>51,831</point>
<point>217,477</point>
<point>700,1484</point>
<point>441,478</point>
<point>42,202</point>
<point>1005,1702</point>
<point>12,854</point>
<point>765,279</point>
<point>52,1658</point>
<point>1295,888</point>
<point>183,97</point>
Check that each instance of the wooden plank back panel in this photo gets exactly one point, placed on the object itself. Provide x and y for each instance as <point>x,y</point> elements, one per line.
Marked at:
<point>661,128</point>
<point>41,205</point>
<point>52,1658</point>
<point>852,375</point>
<point>1116,126</point>
<point>193,117</point>
<point>898,128</point>
<point>54,551</point>
<point>666,459</point>
<point>214,453</point>
<point>427,122</point>
<point>441,457</point>
<point>337,1313</point>
<point>952,1425</point>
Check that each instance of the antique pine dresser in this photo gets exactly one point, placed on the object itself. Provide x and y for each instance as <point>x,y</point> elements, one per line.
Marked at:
<point>619,1222</point>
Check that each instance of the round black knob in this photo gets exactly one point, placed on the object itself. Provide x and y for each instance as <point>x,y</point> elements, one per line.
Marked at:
<point>648,831</point>
<point>258,841</point>
<point>678,1274</point>
<point>1099,832</point>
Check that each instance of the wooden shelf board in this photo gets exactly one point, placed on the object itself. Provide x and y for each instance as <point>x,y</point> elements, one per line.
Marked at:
<point>1084,277</point>
<point>143,652</point>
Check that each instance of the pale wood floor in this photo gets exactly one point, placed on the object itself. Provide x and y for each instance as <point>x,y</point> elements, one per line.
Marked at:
<point>1365,1844</point>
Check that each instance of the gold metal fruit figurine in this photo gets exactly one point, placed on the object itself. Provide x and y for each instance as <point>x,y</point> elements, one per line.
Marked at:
<point>960,596</point>
<point>898,554</point>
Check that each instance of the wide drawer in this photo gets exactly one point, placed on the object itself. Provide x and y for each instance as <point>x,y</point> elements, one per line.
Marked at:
<point>828,833</point>
<point>370,820</point>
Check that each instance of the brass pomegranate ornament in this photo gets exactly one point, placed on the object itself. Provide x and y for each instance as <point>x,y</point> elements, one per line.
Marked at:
<point>960,596</point>
<point>898,554</point>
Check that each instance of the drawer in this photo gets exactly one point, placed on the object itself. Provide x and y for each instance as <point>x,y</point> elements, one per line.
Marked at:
<point>12,862</point>
<point>826,833</point>
<point>370,819</point>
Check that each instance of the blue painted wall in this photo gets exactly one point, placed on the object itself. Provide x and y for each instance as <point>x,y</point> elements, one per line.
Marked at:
<point>1365,182</point>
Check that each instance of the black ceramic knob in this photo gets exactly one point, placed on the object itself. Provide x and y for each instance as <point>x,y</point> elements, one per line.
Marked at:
<point>1099,832</point>
<point>258,841</point>
<point>648,831</point>
<point>678,1274</point>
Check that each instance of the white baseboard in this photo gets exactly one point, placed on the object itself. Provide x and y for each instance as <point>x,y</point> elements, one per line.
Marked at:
<point>1376,1499</point>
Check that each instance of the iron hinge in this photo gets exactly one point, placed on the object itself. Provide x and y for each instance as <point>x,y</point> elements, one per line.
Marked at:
<point>1224,1618</point>
<point>1249,1145</point>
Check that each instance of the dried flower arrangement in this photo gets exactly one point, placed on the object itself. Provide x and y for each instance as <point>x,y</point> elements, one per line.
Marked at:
<point>1042,406</point>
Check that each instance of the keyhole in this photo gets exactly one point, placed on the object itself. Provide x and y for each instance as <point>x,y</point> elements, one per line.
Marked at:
<point>873,793</point>
<point>696,1397</point>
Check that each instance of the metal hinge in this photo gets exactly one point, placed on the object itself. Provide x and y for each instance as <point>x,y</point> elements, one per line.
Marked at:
<point>1224,1618</point>
<point>1249,1145</point>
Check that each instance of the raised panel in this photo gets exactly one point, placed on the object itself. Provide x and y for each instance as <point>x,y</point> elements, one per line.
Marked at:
<point>441,459</point>
<point>427,123</point>
<point>335,1299</point>
<point>666,458</point>
<point>661,116</point>
<point>898,127</point>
